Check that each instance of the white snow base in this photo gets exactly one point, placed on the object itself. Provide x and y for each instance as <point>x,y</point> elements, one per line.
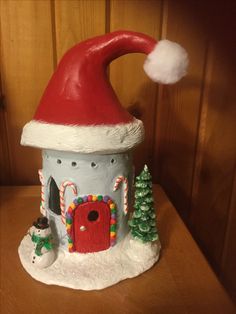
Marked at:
<point>93,271</point>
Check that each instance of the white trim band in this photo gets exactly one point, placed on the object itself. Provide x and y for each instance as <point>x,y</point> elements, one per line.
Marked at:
<point>83,139</point>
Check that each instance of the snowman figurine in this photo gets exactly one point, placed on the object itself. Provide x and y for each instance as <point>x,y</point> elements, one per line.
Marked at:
<point>43,254</point>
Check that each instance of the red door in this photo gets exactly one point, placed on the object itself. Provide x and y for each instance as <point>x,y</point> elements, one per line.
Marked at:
<point>91,226</point>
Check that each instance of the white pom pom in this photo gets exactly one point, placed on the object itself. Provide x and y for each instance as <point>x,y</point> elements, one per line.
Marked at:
<point>167,63</point>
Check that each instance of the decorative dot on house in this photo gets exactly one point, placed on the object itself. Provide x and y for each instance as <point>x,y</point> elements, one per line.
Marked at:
<point>87,175</point>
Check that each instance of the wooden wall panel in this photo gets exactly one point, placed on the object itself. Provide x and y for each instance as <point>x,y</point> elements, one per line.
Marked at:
<point>134,89</point>
<point>217,146</point>
<point>229,252</point>
<point>76,21</point>
<point>4,156</point>
<point>179,104</point>
<point>27,62</point>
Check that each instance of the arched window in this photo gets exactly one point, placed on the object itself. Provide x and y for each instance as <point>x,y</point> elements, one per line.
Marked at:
<point>54,197</point>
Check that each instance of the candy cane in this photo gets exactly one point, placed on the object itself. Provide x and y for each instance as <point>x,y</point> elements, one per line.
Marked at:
<point>63,187</point>
<point>42,204</point>
<point>126,188</point>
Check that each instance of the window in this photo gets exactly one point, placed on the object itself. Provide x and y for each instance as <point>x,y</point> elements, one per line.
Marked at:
<point>93,215</point>
<point>54,198</point>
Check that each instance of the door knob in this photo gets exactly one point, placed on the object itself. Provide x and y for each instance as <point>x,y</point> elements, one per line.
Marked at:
<point>82,228</point>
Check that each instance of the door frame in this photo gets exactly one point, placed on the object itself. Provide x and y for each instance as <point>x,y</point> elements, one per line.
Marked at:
<point>86,199</point>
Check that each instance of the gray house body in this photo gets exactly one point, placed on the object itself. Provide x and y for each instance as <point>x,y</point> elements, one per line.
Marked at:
<point>91,174</point>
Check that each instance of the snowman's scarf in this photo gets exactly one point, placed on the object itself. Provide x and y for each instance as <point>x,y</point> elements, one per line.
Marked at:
<point>41,242</point>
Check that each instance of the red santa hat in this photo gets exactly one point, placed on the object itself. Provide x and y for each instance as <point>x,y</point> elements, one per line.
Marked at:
<point>79,110</point>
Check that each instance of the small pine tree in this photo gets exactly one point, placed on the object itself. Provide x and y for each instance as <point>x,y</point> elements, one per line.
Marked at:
<point>143,221</point>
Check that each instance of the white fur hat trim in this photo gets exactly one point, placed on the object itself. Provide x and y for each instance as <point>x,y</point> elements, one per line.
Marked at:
<point>84,139</point>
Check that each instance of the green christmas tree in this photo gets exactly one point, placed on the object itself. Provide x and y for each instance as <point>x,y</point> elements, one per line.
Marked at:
<point>143,221</point>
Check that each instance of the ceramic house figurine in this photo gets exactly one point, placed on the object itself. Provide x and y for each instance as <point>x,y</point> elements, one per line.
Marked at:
<point>87,138</point>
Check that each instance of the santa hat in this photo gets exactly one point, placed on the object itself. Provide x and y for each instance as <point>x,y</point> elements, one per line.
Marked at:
<point>79,110</point>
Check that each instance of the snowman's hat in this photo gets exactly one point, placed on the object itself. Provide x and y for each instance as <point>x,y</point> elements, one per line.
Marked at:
<point>41,223</point>
<point>80,111</point>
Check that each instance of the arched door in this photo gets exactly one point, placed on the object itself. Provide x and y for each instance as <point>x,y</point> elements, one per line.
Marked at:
<point>91,227</point>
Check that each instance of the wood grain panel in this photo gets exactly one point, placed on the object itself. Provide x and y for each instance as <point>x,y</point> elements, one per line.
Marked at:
<point>76,21</point>
<point>228,274</point>
<point>178,105</point>
<point>217,146</point>
<point>26,67</point>
<point>134,89</point>
<point>5,176</point>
